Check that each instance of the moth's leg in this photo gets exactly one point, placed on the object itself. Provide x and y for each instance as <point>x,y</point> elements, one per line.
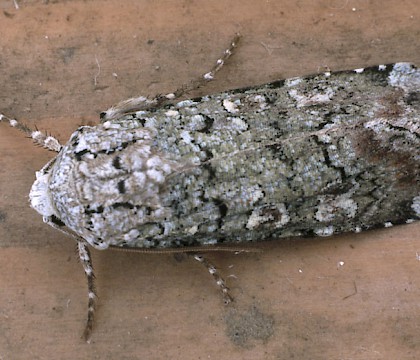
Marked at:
<point>45,140</point>
<point>219,280</point>
<point>142,103</point>
<point>85,259</point>
<point>208,76</point>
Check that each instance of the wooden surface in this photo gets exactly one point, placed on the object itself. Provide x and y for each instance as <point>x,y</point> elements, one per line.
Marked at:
<point>62,62</point>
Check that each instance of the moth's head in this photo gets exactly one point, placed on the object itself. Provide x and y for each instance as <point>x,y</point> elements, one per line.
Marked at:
<point>40,196</point>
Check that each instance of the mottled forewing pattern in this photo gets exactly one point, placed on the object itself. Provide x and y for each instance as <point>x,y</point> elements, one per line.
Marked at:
<point>318,155</point>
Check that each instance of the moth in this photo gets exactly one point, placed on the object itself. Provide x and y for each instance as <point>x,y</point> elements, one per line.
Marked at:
<point>318,155</point>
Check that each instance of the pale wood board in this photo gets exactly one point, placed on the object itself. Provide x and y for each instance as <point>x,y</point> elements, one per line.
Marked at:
<point>153,306</point>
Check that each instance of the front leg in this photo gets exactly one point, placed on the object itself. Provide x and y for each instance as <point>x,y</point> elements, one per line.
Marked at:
<point>47,141</point>
<point>85,259</point>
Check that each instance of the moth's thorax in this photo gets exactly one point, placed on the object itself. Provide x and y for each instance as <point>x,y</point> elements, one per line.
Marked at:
<point>100,171</point>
